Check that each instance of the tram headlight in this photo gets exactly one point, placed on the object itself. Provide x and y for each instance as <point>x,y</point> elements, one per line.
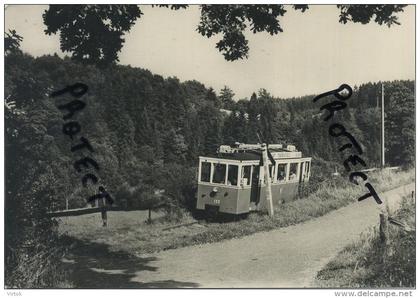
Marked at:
<point>213,193</point>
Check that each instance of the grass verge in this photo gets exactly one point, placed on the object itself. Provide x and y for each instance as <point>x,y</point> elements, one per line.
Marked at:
<point>363,264</point>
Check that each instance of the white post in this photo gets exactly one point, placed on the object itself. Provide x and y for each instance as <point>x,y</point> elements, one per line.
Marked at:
<point>267,178</point>
<point>382,128</point>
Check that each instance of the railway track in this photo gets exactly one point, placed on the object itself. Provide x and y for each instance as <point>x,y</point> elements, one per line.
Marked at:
<point>182,225</point>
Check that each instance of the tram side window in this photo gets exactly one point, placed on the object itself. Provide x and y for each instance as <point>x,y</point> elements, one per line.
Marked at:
<point>246,175</point>
<point>293,171</point>
<point>205,171</point>
<point>232,175</point>
<point>281,172</point>
<point>219,173</point>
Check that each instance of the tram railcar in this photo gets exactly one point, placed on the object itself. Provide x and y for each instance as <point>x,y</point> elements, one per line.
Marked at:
<point>233,181</point>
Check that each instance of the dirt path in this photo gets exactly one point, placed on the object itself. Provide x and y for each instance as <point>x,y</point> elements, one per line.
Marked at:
<point>287,257</point>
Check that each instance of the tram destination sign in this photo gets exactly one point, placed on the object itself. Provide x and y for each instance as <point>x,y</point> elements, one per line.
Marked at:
<point>277,155</point>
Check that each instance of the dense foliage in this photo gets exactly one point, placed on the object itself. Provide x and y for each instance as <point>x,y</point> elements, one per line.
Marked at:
<point>300,122</point>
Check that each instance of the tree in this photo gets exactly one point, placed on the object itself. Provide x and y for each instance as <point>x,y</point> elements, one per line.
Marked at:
<point>254,119</point>
<point>12,42</point>
<point>175,146</point>
<point>210,128</point>
<point>94,33</point>
<point>400,124</point>
<point>33,183</point>
<point>212,97</point>
<point>384,14</point>
<point>226,98</point>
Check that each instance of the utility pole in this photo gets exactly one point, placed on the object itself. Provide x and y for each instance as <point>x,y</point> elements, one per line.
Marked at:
<point>382,127</point>
<point>267,178</point>
<point>384,210</point>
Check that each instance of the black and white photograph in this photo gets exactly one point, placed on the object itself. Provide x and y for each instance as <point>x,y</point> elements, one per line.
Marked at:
<point>209,146</point>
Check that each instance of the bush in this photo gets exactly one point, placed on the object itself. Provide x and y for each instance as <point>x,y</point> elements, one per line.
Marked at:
<point>180,184</point>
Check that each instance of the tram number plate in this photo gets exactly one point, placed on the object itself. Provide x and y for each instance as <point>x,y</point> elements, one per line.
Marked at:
<point>216,201</point>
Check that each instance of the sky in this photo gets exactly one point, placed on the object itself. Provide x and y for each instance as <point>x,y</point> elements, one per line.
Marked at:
<point>315,53</point>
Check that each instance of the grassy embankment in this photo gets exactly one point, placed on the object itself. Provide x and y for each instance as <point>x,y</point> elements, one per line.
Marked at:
<point>39,270</point>
<point>362,264</point>
<point>127,232</point>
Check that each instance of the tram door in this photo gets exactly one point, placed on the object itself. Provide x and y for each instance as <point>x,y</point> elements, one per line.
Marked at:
<point>301,176</point>
<point>255,184</point>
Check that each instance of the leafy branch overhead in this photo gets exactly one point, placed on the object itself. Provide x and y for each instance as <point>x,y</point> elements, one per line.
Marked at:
<point>94,33</point>
<point>12,42</point>
<point>384,14</point>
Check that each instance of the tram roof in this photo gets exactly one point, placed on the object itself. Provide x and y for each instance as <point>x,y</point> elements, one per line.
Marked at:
<point>252,156</point>
<point>238,156</point>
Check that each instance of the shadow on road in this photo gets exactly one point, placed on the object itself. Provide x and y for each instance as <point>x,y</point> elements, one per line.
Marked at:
<point>94,265</point>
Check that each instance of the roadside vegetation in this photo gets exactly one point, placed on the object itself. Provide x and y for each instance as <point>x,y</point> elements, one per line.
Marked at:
<point>132,236</point>
<point>362,264</point>
<point>40,269</point>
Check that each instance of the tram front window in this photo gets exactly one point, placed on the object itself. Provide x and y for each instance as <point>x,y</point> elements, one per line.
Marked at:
<point>246,175</point>
<point>281,172</point>
<point>233,175</point>
<point>205,171</point>
<point>293,171</point>
<point>219,173</point>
